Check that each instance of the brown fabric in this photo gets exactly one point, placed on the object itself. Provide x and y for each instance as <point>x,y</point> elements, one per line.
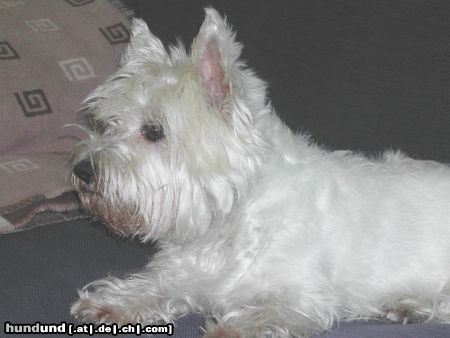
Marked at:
<point>40,210</point>
<point>52,54</point>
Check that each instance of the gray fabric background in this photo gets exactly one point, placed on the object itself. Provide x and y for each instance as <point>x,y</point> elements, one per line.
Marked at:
<point>361,75</point>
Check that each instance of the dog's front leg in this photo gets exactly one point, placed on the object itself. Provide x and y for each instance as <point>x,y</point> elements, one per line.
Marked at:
<point>146,297</point>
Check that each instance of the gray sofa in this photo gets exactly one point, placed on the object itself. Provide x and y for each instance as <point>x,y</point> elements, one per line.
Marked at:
<point>360,75</point>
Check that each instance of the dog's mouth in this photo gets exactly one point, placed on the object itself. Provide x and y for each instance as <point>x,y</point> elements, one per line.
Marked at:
<point>121,219</point>
<point>84,188</point>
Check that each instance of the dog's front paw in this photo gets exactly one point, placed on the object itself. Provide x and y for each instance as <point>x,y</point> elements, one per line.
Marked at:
<point>99,303</point>
<point>88,309</point>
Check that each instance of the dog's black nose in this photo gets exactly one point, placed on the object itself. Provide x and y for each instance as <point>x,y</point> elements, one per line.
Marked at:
<point>85,171</point>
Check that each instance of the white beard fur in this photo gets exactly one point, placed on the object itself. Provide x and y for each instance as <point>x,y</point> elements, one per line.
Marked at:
<point>260,229</point>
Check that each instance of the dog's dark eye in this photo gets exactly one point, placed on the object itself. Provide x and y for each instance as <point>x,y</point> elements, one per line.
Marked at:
<point>152,132</point>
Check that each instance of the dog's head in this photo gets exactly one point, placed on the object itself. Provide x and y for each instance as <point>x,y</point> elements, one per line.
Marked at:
<point>173,144</point>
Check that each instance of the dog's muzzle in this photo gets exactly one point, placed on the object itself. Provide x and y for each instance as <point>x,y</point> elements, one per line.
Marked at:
<point>85,171</point>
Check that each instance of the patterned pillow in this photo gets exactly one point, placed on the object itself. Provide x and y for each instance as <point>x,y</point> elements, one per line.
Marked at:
<point>52,53</point>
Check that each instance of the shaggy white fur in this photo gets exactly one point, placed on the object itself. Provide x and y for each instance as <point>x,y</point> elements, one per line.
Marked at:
<point>259,228</point>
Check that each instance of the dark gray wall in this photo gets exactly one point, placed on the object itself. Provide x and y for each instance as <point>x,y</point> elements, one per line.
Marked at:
<point>364,75</point>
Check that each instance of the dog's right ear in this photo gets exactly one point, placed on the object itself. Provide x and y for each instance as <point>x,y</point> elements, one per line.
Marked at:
<point>215,53</point>
<point>143,44</point>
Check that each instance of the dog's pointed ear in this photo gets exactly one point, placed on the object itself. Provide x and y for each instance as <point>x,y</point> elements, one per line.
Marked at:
<point>143,44</point>
<point>214,53</point>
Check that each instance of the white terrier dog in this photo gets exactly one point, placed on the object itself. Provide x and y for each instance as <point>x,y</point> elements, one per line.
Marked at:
<point>259,228</point>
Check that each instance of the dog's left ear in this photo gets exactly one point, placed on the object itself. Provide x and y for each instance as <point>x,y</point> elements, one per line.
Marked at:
<point>143,44</point>
<point>214,53</point>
